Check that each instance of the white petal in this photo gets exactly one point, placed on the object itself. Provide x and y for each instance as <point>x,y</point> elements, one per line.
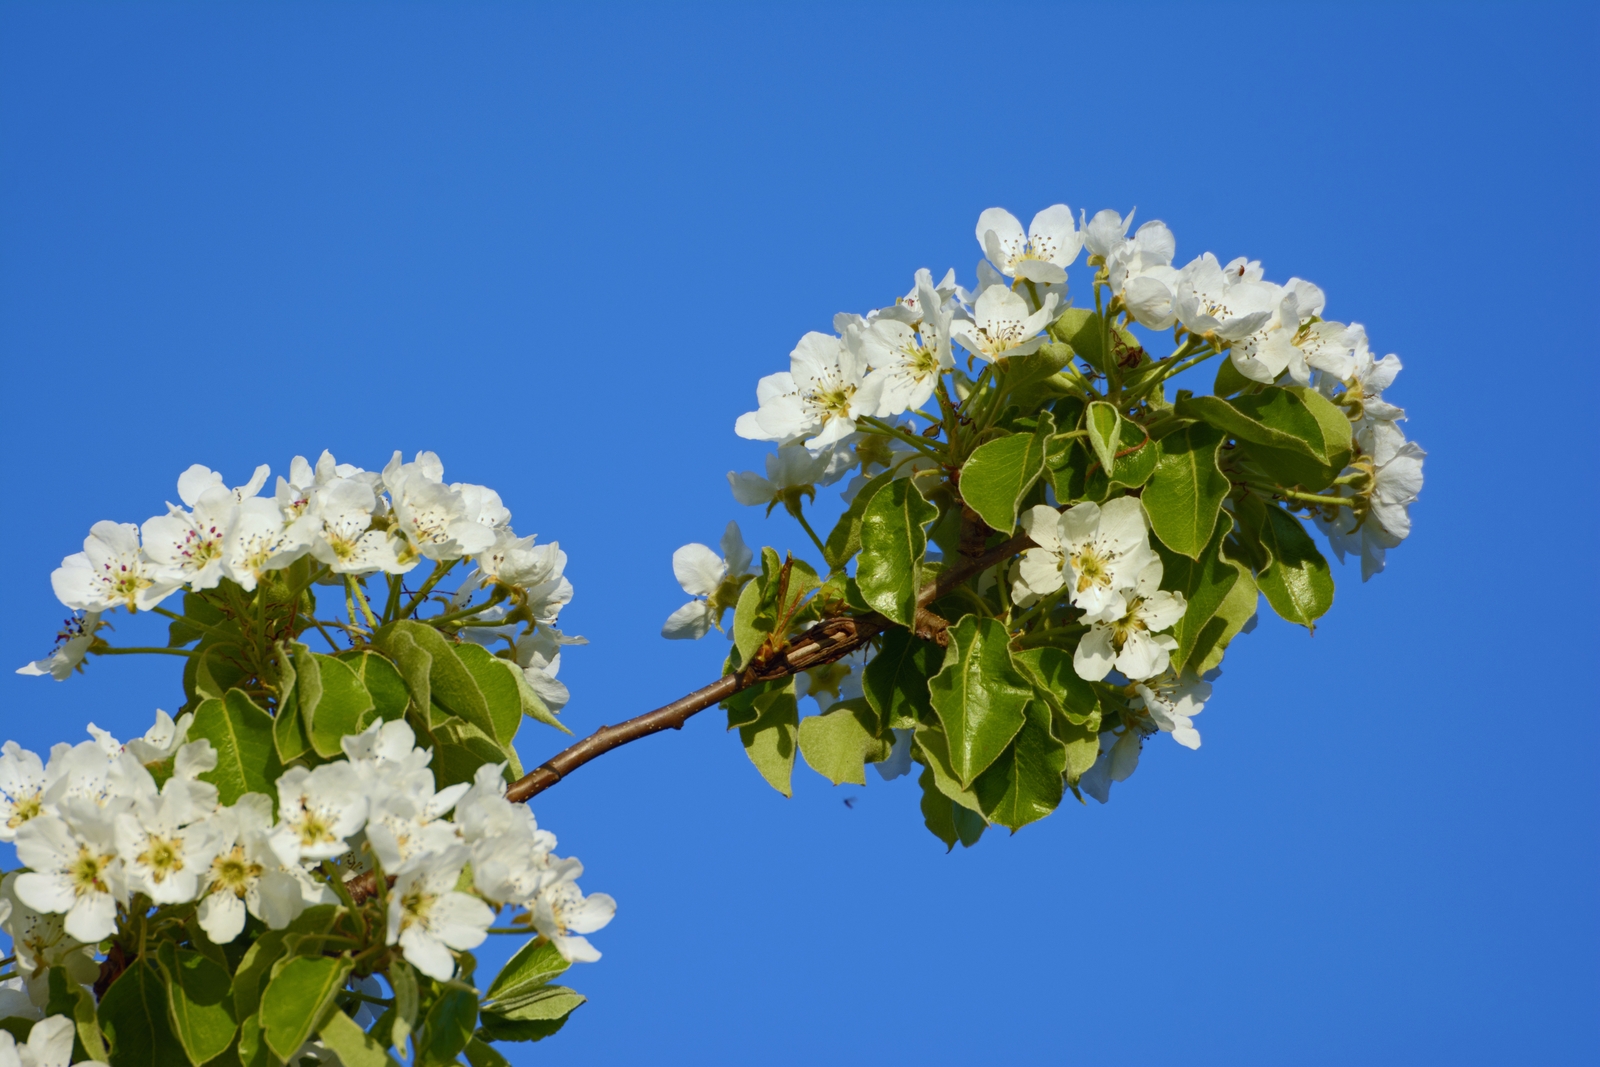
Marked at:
<point>698,569</point>
<point>689,623</point>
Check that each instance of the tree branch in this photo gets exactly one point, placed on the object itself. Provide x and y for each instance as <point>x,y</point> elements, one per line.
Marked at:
<point>827,641</point>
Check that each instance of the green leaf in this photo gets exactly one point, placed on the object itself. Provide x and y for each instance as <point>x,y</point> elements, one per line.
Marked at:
<point>448,1026</point>
<point>199,1002</point>
<point>241,733</point>
<point>1081,743</point>
<point>1104,426</point>
<point>298,998</point>
<point>353,1045</point>
<point>343,707</point>
<point>934,749</point>
<point>1034,378</point>
<point>1229,381</point>
<point>534,964</point>
<point>290,735</point>
<point>533,705</point>
<point>497,680</point>
<point>1024,784</point>
<point>893,540</point>
<point>133,1017</point>
<point>480,1054</point>
<point>1297,581</point>
<point>380,678</point>
<point>840,742</point>
<point>460,748</point>
<point>1085,332</point>
<point>545,1004</point>
<point>253,971</point>
<point>998,474</point>
<point>201,610</point>
<point>978,695</point>
<point>948,821</point>
<point>403,1016</point>
<point>252,1050</point>
<point>769,740</point>
<point>1057,683</point>
<point>895,683</point>
<point>1236,609</point>
<point>1294,434</point>
<point>1076,472</point>
<point>844,541</point>
<point>1186,490</point>
<point>412,658</point>
<point>1205,584</point>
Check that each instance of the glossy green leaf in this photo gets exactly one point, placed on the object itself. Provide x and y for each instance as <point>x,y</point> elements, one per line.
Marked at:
<point>250,977</point>
<point>241,734</point>
<point>1024,784</point>
<point>1104,427</point>
<point>1186,489</point>
<point>460,748</point>
<point>1057,683</point>
<point>403,1016</point>
<point>1080,742</point>
<point>481,1054</point>
<point>297,1000</point>
<point>892,543</point>
<point>769,739</point>
<point>342,707</point>
<point>353,1045</point>
<point>1204,583</point>
<point>839,743</point>
<point>1236,609</point>
<point>844,540</point>
<point>1293,433</point>
<point>948,821</point>
<point>382,680</point>
<point>534,1018</point>
<point>133,1017</point>
<point>1076,473</point>
<point>978,695</point>
<point>252,1050</point>
<point>933,750</point>
<point>1085,331</point>
<point>895,682</point>
<point>534,964</point>
<point>497,681</point>
<point>998,474</point>
<point>448,1026</point>
<point>199,1002</point>
<point>1034,379</point>
<point>1297,581</point>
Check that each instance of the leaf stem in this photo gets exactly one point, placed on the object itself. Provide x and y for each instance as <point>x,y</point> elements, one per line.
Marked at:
<point>109,650</point>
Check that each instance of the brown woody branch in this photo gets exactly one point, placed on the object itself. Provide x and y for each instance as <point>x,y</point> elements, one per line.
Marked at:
<point>827,641</point>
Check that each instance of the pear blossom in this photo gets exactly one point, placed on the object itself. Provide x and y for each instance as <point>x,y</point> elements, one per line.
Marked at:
<point>531,572</point>
<point>1042,254</point>
<point>1139,270</point>
<point>164,844</point>
<point>72,644</point>
<point>39,941</point>
<point>1367,378</point>
<point>49,1044</point>
<point>1002,326</point>
<point>73,869</point>
<point>197,481</point>
<point>1290,341</point>
<point>23,781</point>
<point>345,538</point>
<point>1224,304</point>
<point>1105,233</point>
<point>1172,701</point>
<point>1127,639</point>
<point>510,854</point>
<point>246,875</point>
<point>1395,468</point>
<point>261,540</point>
<point>163,740</point>
<point>1097,551</point>
<point>14,1000</point>
<point>317,810</point>
<point>907,357</point>
<point>539,655</point>
<point>702,573</point>
<point>432,517</point>
<point>189,546</point>
<point>110,571</point>
<point>427,917</point>
<point>924,297</point>
<point>561,913</point>
<point>819,398</point>
<point>792,471</point>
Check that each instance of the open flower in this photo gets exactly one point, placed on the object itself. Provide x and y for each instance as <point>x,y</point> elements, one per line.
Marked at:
<point>189,547</point>
<point>1172,701</point>
<point>907,356</point>
<point>1096,551</point>
<point>1128,639</point>
<point>1042,254</point>
<point>261,540</point>
<point>197,481</point>
<point>428,918</point>
<point>246,875</point>
<point>819,398</point>
<point>73,869</point>
<point>1225,305</point>
<point>72,644</point>
<point>110,571</point>
<point>164,849</point>
<point>792,472</point>
<point>49,1044</point>
<point>317,810</point>
<point>539,656</point>
<point>562,912</point>
<point>704,574</point>
<point>23,781</point>
<point>1002,326</point>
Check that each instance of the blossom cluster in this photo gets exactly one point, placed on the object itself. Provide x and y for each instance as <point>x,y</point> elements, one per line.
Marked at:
<point>350,522</point>
<point>98,836</point>
<point>889,362</point>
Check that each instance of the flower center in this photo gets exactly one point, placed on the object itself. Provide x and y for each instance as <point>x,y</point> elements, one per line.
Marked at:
<point>162,857</point>
<point>87,871</point>
<point>1092,568</point>
<point>23,809</point>
<point>233,872</point>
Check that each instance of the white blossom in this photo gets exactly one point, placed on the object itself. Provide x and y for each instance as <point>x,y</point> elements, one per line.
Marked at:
<point>427,917</point>
<point>1224,304</point>
<point>49,1044</point>
<point>819,398</point>
<point>539,655</point>
<point>317,810</point>
<point>562,912</point>
<point>341,514</point>
<point>189,547</point>
<point>1119,757</point>
<point>1002,326</point>
<point>73,868</point>
<point>23,781</point>
<point>164,849</point>
<point>1042,254</point>
<point>1128,639</point>
<point>432,517</point>
<point>262,539</point>
<point>197,481</point>
<point>72,644</point>
<point>701,573</point>
<point>1097,551</point>
<point>791,471</point>
<point>40,941</point>
<point>111,571</point>
<point>1172,701</point>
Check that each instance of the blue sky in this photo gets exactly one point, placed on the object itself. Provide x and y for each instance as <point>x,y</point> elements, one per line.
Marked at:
<point>559,245</point>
